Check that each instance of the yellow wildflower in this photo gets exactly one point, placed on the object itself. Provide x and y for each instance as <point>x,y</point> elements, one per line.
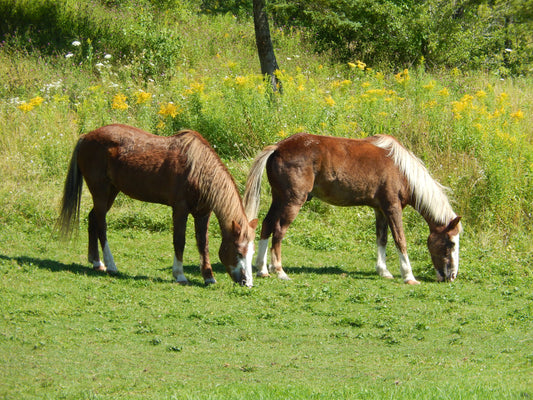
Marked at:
<point>119,102</point>
<point>517,115</point>
<point>169,109</point>
<point>36,101</point>
<point>361,65</point>
<point>403,76</point>
<point>429,86</point>
<point>329,101</point>
<point>26,107</point>
<point>480,94</point>
<point>351,65</point>
<point>444,92</point>
<point>143,97</point>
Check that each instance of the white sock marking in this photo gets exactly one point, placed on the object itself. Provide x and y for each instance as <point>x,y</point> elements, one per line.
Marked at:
<point>261,260</point>
<point>381,266</point>
<point>108,259</point>
<point>177,271</point>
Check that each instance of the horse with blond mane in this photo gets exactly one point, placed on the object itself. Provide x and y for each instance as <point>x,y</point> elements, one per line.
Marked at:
<point>180,171</point>
<point>376,171</point>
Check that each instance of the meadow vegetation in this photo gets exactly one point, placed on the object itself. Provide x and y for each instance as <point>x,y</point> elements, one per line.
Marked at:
<point>336,330</point>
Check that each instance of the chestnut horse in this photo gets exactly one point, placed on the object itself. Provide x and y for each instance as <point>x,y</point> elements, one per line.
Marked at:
<point>181,171</point>
<point>376,171</point>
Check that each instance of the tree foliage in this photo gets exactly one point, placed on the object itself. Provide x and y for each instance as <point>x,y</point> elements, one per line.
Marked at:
<point>473,34</point>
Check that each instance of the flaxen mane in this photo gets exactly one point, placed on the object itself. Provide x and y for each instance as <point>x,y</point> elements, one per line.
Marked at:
<point>210,174</point>
<point>429,196</point>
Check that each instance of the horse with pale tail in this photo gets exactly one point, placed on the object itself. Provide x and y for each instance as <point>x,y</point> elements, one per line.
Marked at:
<point>181,171</point>
<point>376,171</point>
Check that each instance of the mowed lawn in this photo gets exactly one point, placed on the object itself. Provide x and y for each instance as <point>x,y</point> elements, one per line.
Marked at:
<point>336,330</point>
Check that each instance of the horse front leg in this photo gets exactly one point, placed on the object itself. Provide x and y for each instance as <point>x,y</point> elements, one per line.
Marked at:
<point>396,225</point>
<point>201,224</point>
<point>179,221</point>
<point>382,229</point>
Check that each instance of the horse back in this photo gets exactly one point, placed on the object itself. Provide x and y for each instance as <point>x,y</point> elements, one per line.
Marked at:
<point>340,171</point>
<point>144,166</point>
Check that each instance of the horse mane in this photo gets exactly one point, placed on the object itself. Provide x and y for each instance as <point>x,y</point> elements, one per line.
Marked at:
<point>429,196</point>
<point>216,186</point>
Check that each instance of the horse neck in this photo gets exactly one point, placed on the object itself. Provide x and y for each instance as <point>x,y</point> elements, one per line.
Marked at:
<point>215,187</point>
<point>436,221</point>
<point>228,211</point>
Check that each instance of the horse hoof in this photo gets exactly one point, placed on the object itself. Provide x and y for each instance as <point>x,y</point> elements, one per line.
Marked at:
<point>112,272</point>
<point>210,281</point>
<point>263,275</point>
<point>183,283</point>
<point>412,282</point>
<point>100,268</point>
<point>284,277</point>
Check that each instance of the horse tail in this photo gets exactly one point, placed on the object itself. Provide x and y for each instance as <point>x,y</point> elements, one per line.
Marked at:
<point>252,193</point>
<point>70,204</point>
<point>428,195</point>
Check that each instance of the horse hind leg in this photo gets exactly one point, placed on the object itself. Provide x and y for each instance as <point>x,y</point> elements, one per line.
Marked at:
<point>382,229</point>
<point>179,220</point>
<point>286,216</point>
<point>97,231</point>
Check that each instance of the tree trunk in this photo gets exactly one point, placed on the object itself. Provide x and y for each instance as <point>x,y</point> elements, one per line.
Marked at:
<point>265,49</point>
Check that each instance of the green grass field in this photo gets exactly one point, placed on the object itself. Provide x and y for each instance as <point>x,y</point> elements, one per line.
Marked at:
<point>336,330</point>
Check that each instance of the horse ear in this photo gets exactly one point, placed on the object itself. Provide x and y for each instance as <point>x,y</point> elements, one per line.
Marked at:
<point>236,228</point>
<point>453,224</point>
<point>253,223</point>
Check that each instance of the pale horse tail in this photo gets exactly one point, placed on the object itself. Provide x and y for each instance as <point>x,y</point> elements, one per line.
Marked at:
<point>252,193</point>
<point>70,204</point>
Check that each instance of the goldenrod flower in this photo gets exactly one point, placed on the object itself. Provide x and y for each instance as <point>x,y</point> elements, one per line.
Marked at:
<point>481,94</point>
<point>119,102</point>
<point>329,101</point>
<point>241,80</point>
<point>35,102</point>
<point>444,92</point>
<point>26,107</point>
<point>429,86</point>
<point>169,109</point>
<point>143,97</point>
<point>517,115</point>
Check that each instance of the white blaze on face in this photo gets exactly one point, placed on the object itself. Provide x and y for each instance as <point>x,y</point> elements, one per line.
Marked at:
<point>243,270</point>
<point>455,258</point>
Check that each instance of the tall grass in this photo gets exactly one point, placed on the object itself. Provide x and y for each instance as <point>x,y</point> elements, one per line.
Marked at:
<point>472,130</point>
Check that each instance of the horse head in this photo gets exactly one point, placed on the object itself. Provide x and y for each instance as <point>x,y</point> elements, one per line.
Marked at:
<point>443,245</point>
<point>236,252</point>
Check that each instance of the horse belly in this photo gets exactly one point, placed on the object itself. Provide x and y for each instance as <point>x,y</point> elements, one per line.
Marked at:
<point>341,193</point>
<point>155,182</point>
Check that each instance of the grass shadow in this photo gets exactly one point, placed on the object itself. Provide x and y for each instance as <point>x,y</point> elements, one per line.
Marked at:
<point>56,266</point>
<point>329,270</point>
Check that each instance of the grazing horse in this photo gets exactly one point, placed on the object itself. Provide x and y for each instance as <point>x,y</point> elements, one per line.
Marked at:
<point>180,171</point>
<point>376,171</point>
